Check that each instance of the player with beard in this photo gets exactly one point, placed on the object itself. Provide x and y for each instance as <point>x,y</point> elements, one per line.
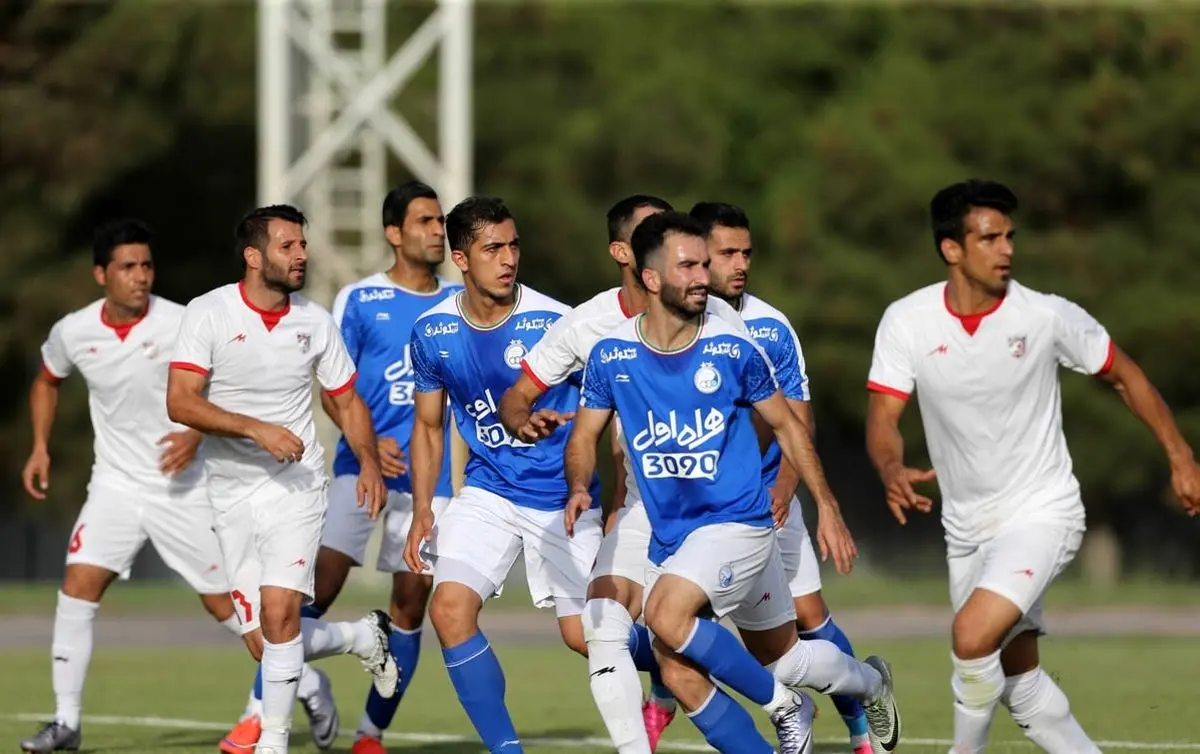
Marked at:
<point>242,373</point>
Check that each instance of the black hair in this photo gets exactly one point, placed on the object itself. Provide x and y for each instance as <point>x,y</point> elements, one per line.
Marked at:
<point>720,215</point>
<point>252,230</point>
<point>621,214</point>
<point>395,204</point>
<point>116,233</point>
<point>472,215</point>
<point>651,233</point>
<point>949,208</point>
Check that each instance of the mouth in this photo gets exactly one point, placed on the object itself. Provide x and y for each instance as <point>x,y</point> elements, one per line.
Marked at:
<point>506,277</point>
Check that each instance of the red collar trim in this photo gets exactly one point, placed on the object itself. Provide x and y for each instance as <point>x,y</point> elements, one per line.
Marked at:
<point>269,318</point>
<point>969,322</point>
<point>122,330</point>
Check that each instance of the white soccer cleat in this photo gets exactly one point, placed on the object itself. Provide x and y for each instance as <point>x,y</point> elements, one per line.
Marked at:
<point>883,716</point>
<point>323,721</point>
<point>379,662</point>
<point>793,724</point>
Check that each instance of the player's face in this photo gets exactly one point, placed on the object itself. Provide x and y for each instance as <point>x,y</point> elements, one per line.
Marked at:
<point>285,265</point>
<point>986,253</point>
<point>129,276</point>
<point>492,259</point>
<point>423,237</point>
<point>729,261</point>
<point>684,271</point>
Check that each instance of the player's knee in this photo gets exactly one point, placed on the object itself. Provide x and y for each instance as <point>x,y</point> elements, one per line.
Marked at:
<point>454,611</point>
<point>410,593</point>
<point>333,568</point>
<point>978,683</point>
<point>811,611</point>
<point>973,639</point>
<point>86,582</point>
<point>606,621</point>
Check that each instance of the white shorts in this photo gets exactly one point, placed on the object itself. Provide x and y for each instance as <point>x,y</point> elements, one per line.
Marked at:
<point>623,551</point>
<point>799,560</point>
<point>348,527</point>
<point>1018,565</point>
<point>477,540</point>
<point>270,539</point>
<point>739,568</point>
<point>114,524</point>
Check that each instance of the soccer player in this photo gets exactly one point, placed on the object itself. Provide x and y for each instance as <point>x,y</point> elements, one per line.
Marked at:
<point>376,316</point>
<point>983,353</point>
<point>684,383</point>
<point>730,252</point>
<point>469,348</point>
<point>242,373</point>
<point>146,482</point>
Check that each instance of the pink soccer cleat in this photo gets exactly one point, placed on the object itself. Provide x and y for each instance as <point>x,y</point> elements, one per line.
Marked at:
<point>243,738</point>
<point>657,718</point>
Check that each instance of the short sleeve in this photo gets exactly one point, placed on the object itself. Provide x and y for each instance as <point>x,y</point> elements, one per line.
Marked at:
<point>335,369</point>
<point>891,366</point>
<point>557,355</point>
<point>345,316</point>
<point>194,342</point>
<point>425,369</point>
<point>1080,342</point>
<point>56,359</point>
<point>597,390</point>
<point>758,376</point>
<point>788,361</point>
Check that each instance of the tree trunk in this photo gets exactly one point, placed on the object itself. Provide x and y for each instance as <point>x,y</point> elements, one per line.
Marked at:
<point>1100,556</point>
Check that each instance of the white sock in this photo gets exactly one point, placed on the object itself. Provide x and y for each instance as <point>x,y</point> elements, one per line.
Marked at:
<point>253,706</point>
<point>310,682</point>
<point>232,625</point>
<point>71,652</point>
<point>324,638</point>
<point>1041,708</point>
<point>616,686</point>
<point>368,728</point>
<point>821,666</point>
<point>977,685</point>
<point>282,665</point>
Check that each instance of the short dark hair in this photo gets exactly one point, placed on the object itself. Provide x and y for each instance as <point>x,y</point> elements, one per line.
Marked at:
<point>622,213</point>
<point>252,230</point>
<point>651,233</point>
<point>470,216</point>
<point>114,233</point>
<point>719,214</point>
<point>949,208</point>
<point>395,204</point>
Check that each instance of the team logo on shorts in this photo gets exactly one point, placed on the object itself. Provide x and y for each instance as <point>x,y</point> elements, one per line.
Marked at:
<point>725,576</point>
<point>1016,346</point>
<point>514,352</point>
<point>707,379</point>
<point>305,341</point>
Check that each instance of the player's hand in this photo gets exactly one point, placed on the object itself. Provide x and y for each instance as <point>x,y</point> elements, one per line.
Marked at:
<point>180,451</point>
<point>580,503</point>
<point>1185,481</point>
<point>833,538</point>
<point>391,457</point>
<point>542,423</point>
<point>36,474</point>
<point>278,441</point>
<point>418,534</point>
<point>781,506</point>
<point>372,492</point>
<point>898,481</point>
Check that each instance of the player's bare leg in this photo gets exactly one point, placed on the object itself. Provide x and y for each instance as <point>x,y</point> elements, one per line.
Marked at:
<point>814,621</point>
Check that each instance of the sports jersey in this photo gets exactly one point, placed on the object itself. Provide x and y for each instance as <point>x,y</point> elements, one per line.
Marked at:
<point>125,367</point>
<point>475,365</point>
<point>261,364</point>
<point>375,316</point>
<point>988,389</point>
<point>686,416</point>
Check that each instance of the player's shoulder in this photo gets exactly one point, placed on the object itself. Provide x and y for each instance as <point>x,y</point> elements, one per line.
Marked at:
<point>222,297</point>
<point>921,304</point>
<point>308,309</point>
<point>88,317</point>
<point>1036,304</point>
<point>365,290</point>
<point>756,310</point>
<point>534,302</point>
<point>618,343</point>
<point>444,318</point>
<point>719,330</point>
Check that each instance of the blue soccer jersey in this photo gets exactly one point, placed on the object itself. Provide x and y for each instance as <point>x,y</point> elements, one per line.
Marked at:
<point>475,365</point>
<point>771,330</point>
<point>376,318</point>
<point>686,417</point>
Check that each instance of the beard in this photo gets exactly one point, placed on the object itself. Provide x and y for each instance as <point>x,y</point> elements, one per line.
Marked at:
<point>676,300</point>
<point>277,277</point>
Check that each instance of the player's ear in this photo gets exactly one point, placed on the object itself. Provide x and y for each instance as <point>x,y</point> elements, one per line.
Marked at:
<point>460,260</point>
<point>621,253</point>
<point>252,257</point>
<point>651,280</point>
<point>100,275</point>
<point>393,236</point>
<point>952,251</point>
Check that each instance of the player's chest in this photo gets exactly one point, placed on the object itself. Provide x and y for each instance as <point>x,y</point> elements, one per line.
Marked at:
<point>478,359</point>
<point>110,365</point>
<point>999,360</point>
<point>666,401</point>
<point>246,349</point>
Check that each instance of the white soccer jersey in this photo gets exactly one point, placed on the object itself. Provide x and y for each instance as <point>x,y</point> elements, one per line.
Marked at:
<point>125,367</point>
<point>988,389</point>
<point>261,364</point>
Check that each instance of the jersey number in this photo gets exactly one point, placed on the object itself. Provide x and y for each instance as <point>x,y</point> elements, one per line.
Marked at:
<point>76,541</point>
<point>681,465</point>
<point>247,608</point>
<point>401,394</point>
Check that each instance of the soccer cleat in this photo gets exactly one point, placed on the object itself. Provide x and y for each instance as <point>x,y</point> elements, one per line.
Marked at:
<point>244,736</point>
<point>883,716</point>
<point>54,736</point>
<point>793,725</point>
<point>657,718</point>
<point>380,663</point>
<point>322,713</point>
<point>365,744</point>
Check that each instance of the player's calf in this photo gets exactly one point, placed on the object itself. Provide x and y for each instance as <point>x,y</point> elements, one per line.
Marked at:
<point>978,631</point>
<point>814,622</point>
<point>1043,713</point>
<point>612,675</point>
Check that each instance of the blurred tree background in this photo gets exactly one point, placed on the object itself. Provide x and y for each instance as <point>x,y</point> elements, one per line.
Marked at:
<point>832,125</point>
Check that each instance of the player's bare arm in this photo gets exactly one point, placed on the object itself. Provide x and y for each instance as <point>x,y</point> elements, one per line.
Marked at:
<point>885,446</point>
<point>360,436</point>
<point>1144,402</point>
<point>833,538</point>
<point>426,446</point>
<point>519,418</point>
<point>617,501</point>
<point>43,404</point>
<point>788,478</point>
<point>187,405</point>
<point>391,456</point>
<point>580,460</point>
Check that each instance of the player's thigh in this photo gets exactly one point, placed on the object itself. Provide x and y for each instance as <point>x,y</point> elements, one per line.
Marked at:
<point>109,530</point>
<point>180,525</point>
<point>396,524</point>
<point>237,529</point>
<point>289,537</point>
<point>796,550</point>
<point>767,606</point>
<point>558,566</point>
<point>347,526</point>
<point>620,569</point>
<point>475,542</point>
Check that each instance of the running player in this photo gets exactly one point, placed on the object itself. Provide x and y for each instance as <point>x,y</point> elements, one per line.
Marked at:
<point>983,353</point>
<point>146,483</point>
<point>730,252</point>
<point>683,382</point>
<point>242,373</point>
<point>469,348</point>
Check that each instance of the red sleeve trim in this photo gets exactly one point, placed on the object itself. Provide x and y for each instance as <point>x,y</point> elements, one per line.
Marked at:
<point>528,370</point>
<point>50,377</point>
<point>875,387</point>
<point>188,366</point>
<point>339,390</point>
<point>1108,360</point>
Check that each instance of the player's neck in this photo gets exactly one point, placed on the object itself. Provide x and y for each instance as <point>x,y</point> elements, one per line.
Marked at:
<point>484,310</point>
<point>966,299</point>
<point>634,298</point>
<point>734,301</point>
<point>263,297</point>
<point>413,276</point>
<point>116,314</point>
<point>664,329</point>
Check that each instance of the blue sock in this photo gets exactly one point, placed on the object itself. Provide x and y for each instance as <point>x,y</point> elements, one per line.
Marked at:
<point>719,652</point>
<point>479,681</point>
<point>311,611</point>
<point>308,611</point>
<point>257,690</point>
<point>728,727</point>
<point>644,660</point>
<point>405,647</point>
<point>849,708</point>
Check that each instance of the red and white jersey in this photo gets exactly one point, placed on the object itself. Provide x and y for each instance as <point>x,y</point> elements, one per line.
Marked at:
<point>988,388</point>
<point>261,364</point>
<point>125,367</point>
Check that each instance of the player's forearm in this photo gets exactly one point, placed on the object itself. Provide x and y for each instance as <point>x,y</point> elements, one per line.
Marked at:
<point>798,450</point>
<point>426,448</point>
<point>43,404</point>
<point>885,444</point>
<point>616,500</point>
<point>357,428</point>
<point>515,410</point>
<point>207,418</point>
<point>580,461</point>
<point>331,410</point>
<point>1144,402</point>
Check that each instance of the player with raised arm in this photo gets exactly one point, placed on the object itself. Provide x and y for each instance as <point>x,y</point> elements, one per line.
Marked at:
<point>469,348</point>
<point>685,383</point>
<point>242,373</point>
<point>983,353</point>
<point>146,481</point>
<point>730,252</point>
